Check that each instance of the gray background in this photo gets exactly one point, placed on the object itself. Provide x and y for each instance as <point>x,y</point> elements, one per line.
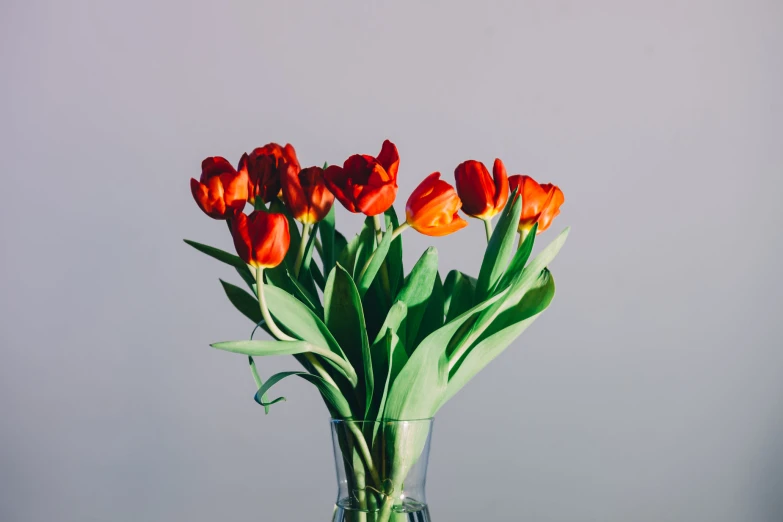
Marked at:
<point>651,390</point>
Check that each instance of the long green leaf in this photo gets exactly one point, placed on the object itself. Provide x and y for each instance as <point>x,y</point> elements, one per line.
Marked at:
<point>500,246</point>
<point>225,257</point>
<point>521,283</point>
<point>348,255</point>
<point>394,258</point>
<point>378,257</point>
<point>327,233</point>
<point>388,356</point>
<point>301,322</point>
<point>433,315</point>
<point>419,387</point>
<point>278,207</point>
<point>257,378</point>
<point>416,292</point>
<point>267,348</point>
<point>366,247</point>
<point>338,405</point>
<point>318,276</point>
<point>305,295</point>
<point>459,293</point>
<point>305,277</point>
<point>535,301</point>
<point>520,259</point>
<point>243,301</point>
<point>344,317</point>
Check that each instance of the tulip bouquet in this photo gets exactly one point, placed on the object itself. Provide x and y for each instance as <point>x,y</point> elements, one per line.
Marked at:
<point>378,343</point>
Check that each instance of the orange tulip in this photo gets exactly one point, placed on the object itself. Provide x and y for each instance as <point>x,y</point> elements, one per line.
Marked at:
<point>366,184</point>
<point>540,203</point>
<point>261,239</point>
<point>306,195</point>
<point>482,196</point>
<point>222,190</point>
<point>265,166</point>
<point>432,208</point>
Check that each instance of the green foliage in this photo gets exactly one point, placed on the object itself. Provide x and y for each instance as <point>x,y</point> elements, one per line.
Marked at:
<point>500,246</point>
<point>379,344</point>
<point>416,292</point>
<point>344,317</point>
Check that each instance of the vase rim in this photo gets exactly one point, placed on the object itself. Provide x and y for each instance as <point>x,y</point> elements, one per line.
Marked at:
<point>382,421</point>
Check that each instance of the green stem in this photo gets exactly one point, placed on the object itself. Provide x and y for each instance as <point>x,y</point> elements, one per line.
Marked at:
<point>319,248</point>
<point>385,513</point>
<point>346,369</point>
<point>523,235</point>
<point>364,451</point>
<point>270,323</point>
<point>302,247</point>
<point>376,219</point>
<point>488,228</point>
<point>399,230</point>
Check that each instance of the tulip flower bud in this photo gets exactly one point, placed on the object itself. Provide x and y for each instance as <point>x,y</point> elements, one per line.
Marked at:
<point>222,190</point>
<point>306,195</point>
<point>432,208</point>
<point>261,239</point>
<point>540,203</point>
<point>264,167</point>
<point>482,196</point>
<point>366,184</point>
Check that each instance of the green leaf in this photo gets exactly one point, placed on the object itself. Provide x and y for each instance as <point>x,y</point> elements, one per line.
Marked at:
<point>394,258</point>
<point>367,276</point>
<point>265,400</point>
<point>520,259</point>
<point>278,207</point>
<point>522,315</point>
<point>416,292</point>
<point>318,277</point>
<point>433,315</point>
<point>339,245</point>
<point>305,295</point>
<point>225,257</point>
<point>267,348</point>
<point>395,322</point>
<point>521,283</point>
<point>459,292</point>
<point>348,255</point>
<point>301,322</point>
<point>366,247</point>
<point>327,232</point>
<point>385,359</point>
<point>344,317</point>
<point>243,301</point>
<point>500,246</point>
<point>388,356</point>
<point>304,272</point>
<point>418,389</point>
<point>338,405</point>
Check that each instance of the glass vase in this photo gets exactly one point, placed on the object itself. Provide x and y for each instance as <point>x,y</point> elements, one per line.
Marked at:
<point>381,470</point>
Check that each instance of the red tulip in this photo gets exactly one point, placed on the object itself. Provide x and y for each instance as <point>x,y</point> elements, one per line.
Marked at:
<point>261,239</point>
<point>540,203</point>
<point>222,190</point>
<point>432,208</point>
<point>306,195</point>
<point>366,184</point>
<point>482,196</point>
<point>265,166</point>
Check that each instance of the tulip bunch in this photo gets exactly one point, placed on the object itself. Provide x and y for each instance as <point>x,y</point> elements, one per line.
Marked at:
<point>377,342</point>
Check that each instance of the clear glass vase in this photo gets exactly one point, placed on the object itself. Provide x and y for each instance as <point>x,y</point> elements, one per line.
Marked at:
<point>381,470</point>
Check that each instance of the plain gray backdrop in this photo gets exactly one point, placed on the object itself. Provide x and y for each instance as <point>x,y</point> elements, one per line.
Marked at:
<point>651,390</point>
